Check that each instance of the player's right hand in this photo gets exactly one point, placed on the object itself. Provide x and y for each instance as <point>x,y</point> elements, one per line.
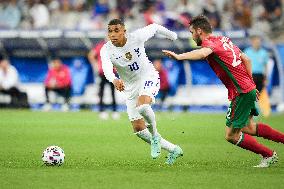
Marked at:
<point>119,85</point>
<point>170,54</point>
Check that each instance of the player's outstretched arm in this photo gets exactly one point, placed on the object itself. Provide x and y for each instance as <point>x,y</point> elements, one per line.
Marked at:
<point>149,31</point>
<point>192,55</point>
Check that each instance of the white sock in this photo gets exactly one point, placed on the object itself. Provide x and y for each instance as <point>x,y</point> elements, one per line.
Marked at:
<point>148,114</point>
<point>146,136</point>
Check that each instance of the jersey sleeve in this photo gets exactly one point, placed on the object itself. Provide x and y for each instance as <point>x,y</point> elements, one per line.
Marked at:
<point>107,65</point>
<point>149,31</point>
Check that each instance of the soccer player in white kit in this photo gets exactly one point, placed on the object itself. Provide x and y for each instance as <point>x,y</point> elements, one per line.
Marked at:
<point>138,80</point>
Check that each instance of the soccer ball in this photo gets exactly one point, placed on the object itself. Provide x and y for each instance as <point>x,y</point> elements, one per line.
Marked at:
<point>53,155</point>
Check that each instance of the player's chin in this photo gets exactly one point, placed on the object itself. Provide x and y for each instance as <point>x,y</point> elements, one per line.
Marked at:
<point>114,42</point>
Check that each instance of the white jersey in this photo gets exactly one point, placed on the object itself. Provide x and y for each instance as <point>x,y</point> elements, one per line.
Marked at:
<point>131,61</point>
<point>9,79</point>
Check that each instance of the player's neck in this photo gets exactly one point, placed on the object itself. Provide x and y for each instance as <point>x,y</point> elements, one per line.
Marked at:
<point>123,42</point>
<point>205,36</point>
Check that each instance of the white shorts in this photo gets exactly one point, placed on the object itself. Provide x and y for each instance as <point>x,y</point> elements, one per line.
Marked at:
<point>148,86</point>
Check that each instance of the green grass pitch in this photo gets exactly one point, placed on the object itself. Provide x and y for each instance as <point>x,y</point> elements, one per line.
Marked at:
<point>106,154</point>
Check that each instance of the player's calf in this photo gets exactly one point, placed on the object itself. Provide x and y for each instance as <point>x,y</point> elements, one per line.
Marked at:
<point>155,146</point>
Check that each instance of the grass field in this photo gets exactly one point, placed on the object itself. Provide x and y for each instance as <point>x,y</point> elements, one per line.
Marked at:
<point>105,154</point>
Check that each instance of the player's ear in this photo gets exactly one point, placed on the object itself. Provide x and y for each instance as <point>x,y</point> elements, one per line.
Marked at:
<point>199,31</point>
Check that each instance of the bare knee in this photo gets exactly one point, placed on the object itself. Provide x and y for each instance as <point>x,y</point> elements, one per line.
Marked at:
<point>232,135</point>
<point>138,125</point>
<point>144,99</point>
<point>231,138</point>
<point>250,128</point>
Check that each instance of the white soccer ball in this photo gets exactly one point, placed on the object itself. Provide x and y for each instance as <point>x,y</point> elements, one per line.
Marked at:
<point>53,155</point>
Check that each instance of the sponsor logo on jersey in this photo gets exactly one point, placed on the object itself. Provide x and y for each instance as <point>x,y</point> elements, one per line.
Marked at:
<point>128,56</point>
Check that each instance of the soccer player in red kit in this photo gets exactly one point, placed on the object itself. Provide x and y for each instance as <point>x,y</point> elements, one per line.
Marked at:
<point>233,68</point>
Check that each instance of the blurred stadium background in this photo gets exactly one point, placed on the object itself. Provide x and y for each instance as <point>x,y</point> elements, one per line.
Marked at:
<point>106,154</point>
<point>32,31</point>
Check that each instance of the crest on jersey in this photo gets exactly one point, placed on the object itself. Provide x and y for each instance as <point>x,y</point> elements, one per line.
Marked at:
<point>128,56</point>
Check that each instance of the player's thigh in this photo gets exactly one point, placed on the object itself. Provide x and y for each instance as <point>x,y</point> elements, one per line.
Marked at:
<point>144,99</point>
<point>150,86</point>
<point>251,127</point>
<point>240,110</point>
<point>132,111</point>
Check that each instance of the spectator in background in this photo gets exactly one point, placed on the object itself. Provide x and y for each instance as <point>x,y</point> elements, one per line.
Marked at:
<point>58,80</point>
<point>124,7</point>
<point>259,22</point>
<point>101,7</point>
<point>40,14</point>
<point>164,81</point>
<point>95,59</point>
<point>210,10</point>
<point>151,14</point>
<point>259,58</point>
<point>242,16</point>
<point>185,10</point>
<point>79,73</point>
<point>188,7</point>
<point>273,11</point>
<point>9,85</point>
<point>10,15</point>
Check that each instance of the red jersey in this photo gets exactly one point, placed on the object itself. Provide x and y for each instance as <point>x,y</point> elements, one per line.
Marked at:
<point>227,64</point>
<point>61,77</point>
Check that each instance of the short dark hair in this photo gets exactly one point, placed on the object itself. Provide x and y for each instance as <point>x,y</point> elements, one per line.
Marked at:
<point>3,57</point>
<point>116,22</point>
<point>201,22</point>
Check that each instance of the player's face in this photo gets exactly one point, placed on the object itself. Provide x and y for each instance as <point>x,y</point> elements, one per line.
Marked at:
<point>4,64</point>
<point>56,64</point>
<point>196,35</point>
<point>116,34</point>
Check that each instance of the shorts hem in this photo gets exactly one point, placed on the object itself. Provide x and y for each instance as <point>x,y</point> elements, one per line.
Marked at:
<point>235,126</point>
<point>136,118</point>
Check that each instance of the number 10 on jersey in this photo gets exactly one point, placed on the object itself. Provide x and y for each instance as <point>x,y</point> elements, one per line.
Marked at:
<point>133,67</point>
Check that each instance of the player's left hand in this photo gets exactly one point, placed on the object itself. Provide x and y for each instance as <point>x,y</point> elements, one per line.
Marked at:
<point>170,54</point>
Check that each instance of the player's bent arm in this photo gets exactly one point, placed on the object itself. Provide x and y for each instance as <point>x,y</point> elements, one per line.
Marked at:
<point>107,65</point>
<point>149,31</point>
<point>247,63</point>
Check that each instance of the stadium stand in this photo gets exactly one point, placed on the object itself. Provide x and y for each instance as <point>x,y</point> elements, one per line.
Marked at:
<point>68,29</point>
<point>29,54</point>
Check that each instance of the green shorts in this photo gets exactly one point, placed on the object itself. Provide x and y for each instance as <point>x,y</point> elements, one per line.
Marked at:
<point>241,108</point>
